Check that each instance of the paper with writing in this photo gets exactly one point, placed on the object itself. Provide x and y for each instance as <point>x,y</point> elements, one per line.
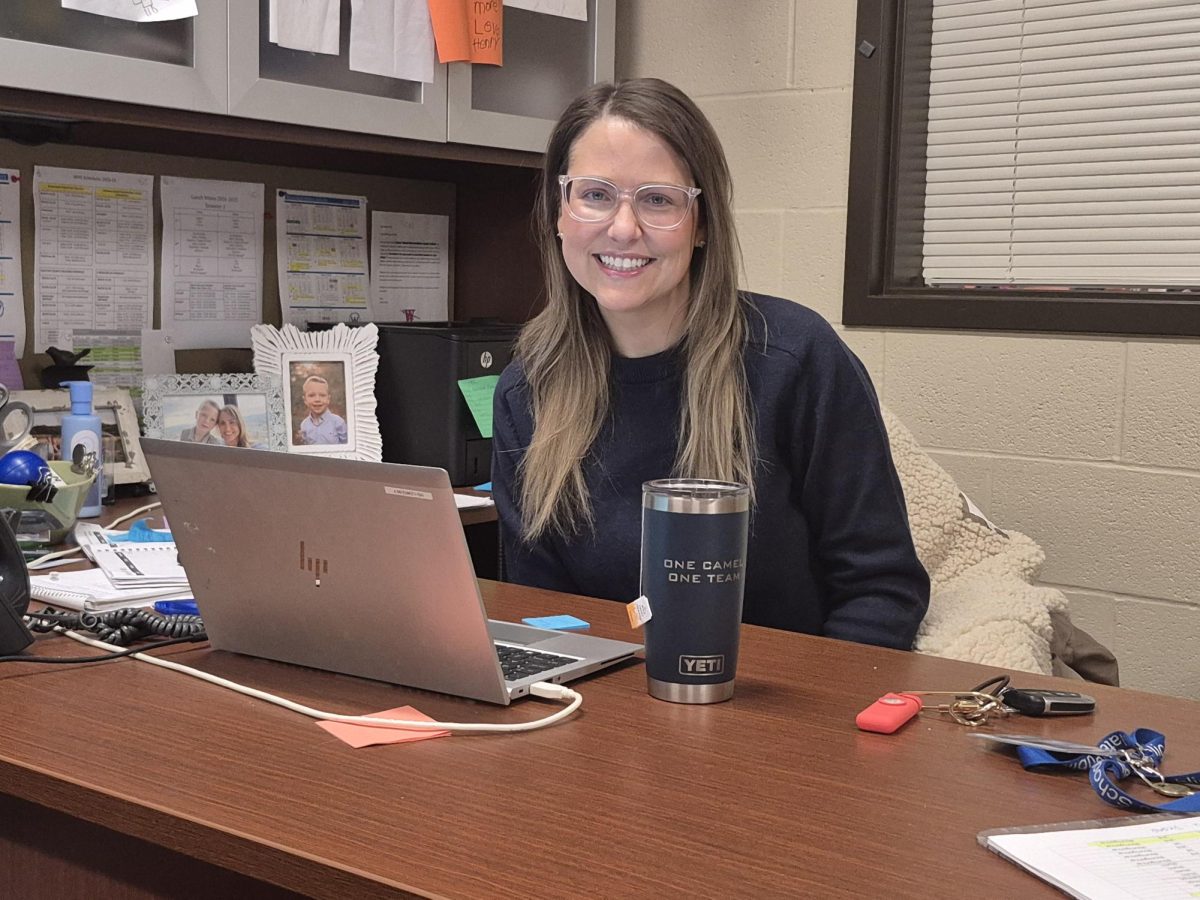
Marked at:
<point>321,246</point>
<point>136,10</point>
<point>212,251</point>
<point>468,30</point>
<point>312,25</point>
<point>12,295</point>
<point>410,259</point>
<point>93,259</point>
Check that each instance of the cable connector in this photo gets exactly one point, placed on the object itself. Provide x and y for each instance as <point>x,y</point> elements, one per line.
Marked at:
<point>548,691</point>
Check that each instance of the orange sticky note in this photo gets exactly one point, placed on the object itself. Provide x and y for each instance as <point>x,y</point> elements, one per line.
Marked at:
<point>468,30</point>
<point>366,735</point>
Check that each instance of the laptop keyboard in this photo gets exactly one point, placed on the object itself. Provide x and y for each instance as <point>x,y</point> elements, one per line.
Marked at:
<point>521,662</point>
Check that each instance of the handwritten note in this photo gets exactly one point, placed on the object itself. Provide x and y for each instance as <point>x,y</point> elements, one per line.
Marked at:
<point>136,10</point>
<point>468,30</point>
<point>478,394</point>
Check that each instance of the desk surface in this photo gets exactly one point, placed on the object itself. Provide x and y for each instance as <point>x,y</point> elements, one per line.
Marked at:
<point>772,793</point>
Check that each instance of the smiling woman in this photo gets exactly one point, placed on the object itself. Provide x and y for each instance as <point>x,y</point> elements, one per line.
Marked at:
<point>647,362</point>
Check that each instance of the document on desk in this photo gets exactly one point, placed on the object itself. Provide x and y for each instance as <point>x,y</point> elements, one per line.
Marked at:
<point>1156,858</point>
<point>321,245</point>
<point>12,296</point>
<point>93,257</point>
<point>212,251</point>
<point>410,256</point>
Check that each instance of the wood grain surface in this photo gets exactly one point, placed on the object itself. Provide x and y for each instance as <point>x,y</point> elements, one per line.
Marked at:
<point>774,793</point>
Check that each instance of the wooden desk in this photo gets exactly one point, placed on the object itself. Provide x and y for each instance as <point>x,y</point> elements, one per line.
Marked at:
<point>122,779</point>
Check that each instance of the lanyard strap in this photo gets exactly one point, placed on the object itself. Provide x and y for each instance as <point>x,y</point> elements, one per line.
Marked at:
<point>1136,754</point>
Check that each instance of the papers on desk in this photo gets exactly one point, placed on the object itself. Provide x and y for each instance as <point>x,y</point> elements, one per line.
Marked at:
<point>1157,857</point>
<point>135,568</point>
<point>469,501</point>
<point>91,590</point>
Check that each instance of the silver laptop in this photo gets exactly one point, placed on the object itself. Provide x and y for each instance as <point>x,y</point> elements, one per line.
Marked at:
<point>355,567</point>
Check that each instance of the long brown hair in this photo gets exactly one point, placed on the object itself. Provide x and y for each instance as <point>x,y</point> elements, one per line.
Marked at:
<point>566,349</point>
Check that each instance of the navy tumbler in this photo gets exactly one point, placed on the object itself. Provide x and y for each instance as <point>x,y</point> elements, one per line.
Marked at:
<point>693,575</point>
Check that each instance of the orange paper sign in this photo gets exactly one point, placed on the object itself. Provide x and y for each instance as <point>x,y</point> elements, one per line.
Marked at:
<point>367,735</point>
<point>468,30</point>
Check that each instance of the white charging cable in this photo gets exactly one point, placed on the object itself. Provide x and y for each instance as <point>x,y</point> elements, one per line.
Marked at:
<point>541,689</point>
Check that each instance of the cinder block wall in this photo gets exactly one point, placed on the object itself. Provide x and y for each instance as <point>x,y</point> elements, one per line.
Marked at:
<point>1089,445</point>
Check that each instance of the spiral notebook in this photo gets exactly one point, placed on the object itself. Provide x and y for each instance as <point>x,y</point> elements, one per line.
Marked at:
<point>90,590</point>
<point>141,565</point>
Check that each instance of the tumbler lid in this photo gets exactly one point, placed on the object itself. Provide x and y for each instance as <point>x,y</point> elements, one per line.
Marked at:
<point>695,495</point>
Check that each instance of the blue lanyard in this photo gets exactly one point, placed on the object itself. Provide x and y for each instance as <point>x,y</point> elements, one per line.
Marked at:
<point>1139,754</point>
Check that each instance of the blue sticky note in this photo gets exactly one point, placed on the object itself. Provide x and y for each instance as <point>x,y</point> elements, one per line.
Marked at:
<point>486,486</point>
<point>558,623</point>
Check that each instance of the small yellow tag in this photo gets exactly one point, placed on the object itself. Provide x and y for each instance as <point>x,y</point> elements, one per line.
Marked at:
<point>638,612</point>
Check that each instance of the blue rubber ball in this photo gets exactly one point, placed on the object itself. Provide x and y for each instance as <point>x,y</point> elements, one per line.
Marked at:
<point>22,467</point>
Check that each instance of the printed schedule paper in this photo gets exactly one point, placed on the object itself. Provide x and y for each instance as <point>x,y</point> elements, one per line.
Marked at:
<point>1156,858</point>
<point>93,259</point>
<point>321,245</point>
<point>212,251</point>
<point>12,297</point>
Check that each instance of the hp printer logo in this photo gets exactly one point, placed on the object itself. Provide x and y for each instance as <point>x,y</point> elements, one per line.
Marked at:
<point>313,564</point>
<point>485,359</point>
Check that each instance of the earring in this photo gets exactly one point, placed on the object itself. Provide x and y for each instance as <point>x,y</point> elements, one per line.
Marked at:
<point>700,244</point>
<point>560,235</point>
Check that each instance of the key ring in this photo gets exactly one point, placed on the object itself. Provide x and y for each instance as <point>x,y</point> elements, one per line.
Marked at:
<point>970,708</point>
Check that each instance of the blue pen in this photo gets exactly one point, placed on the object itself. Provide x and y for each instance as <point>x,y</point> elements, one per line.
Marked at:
<point>177,607</point>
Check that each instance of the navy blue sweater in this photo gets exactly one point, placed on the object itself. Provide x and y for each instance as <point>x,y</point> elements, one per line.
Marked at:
<point>830,549</point>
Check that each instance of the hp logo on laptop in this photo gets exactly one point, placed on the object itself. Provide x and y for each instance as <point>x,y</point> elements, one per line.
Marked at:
<point>314,564</point>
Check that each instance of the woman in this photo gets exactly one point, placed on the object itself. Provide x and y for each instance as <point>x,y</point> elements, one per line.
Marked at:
<point>647,362</point>
<point>206,419</point>
<point>232,426</point>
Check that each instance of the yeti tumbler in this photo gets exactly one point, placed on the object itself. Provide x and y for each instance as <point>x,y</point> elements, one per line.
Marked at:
<point>693,574</point>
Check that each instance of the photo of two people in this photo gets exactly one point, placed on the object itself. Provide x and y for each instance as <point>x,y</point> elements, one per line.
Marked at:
<point>231,420</point>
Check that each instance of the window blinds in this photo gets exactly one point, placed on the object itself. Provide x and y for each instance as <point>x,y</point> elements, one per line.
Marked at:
<point>1064,143</point>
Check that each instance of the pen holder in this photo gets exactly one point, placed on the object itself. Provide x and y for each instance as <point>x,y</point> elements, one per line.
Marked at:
<point>47,522</point>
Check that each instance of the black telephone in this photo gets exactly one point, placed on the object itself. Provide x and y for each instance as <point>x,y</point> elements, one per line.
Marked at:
<point>14,592</point>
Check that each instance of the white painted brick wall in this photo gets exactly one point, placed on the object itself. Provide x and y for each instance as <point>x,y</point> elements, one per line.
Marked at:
<point>1089,445</point>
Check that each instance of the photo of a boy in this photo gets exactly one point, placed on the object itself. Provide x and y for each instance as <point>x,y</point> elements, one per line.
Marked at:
<point>322,425</point>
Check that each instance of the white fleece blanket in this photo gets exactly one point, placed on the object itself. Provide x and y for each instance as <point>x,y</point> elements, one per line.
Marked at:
<point>984,606</point>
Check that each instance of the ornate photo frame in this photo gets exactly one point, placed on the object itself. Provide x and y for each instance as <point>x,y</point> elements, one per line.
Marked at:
<point>118,418</point>
<point>328,382</point>
<point>240,410</point>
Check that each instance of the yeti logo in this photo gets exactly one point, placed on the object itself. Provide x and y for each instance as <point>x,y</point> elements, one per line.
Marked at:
<point>702,665</point>
<point>485,359</point>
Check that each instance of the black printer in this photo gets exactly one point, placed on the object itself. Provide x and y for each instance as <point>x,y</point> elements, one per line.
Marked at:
<point>423,417</point>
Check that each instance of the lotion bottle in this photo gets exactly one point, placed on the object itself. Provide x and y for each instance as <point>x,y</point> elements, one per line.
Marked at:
<point>81,428</point>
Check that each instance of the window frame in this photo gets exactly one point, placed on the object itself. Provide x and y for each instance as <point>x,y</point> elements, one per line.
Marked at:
<point>885,208</point>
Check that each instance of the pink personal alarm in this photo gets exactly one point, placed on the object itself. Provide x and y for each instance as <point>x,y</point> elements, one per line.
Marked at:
<point>888,713</point>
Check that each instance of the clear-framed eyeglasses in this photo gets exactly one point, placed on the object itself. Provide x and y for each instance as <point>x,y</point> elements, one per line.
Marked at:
<point>596,200</point>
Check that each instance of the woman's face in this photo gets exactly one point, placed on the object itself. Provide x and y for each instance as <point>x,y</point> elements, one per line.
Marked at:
<point>206,418</point>
<point>636,274</point>
<point>228,426</point>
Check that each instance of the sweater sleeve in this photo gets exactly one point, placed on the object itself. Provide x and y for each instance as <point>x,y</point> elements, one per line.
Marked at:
<point>875,589</point>
<point>535,563</point>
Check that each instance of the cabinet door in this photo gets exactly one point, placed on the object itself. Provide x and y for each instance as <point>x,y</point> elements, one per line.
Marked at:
<point>548,60</point>
<point>267,81</point>
<point>181,64</point>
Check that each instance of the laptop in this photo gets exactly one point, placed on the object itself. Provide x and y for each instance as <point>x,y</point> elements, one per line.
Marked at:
<point>354,567</point>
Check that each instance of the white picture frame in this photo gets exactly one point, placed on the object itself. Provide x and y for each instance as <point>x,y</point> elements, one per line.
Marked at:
<point>328,381</point>
<point>118,417</point>
<point>198,408</point>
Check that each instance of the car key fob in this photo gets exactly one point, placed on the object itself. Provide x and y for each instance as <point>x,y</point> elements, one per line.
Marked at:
<point>1032,702</point>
